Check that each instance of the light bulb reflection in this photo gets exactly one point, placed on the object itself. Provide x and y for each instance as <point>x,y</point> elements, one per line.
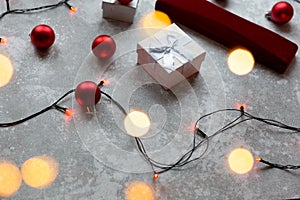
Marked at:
<point>6,70</point>
<point>137,123</point>
<point>240,62</point>
<point>240,161</point>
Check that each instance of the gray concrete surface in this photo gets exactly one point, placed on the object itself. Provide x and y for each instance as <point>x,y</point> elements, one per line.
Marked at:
<point>97,159</point>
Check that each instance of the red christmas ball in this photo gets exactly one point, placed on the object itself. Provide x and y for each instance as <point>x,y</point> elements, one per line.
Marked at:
<point>87,93</point>
<point>42,36</point>
<point>103,46</point>
<point>282,12</point>
<point>124,1</point>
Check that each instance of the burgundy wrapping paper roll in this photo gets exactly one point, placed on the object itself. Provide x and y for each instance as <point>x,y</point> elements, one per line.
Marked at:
<point>267,47</point>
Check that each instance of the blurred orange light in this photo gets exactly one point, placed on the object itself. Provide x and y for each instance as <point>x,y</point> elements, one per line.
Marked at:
<point>139,191</point>
<point>10,179</point>
<point>240,61</point>
<point>39,172</point>
<point>155,176</point>
<point>156,20</point>
<point>240,160</point>
<point>6,70</point>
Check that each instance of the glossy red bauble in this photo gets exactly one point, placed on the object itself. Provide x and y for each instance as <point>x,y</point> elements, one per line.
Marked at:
<point>124,1</point>
<point>42,36</point>
<point>282,12</point>
<point>104,46</point>
<point>87,93</point>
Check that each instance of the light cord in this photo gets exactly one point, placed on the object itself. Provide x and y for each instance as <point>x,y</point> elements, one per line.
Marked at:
<point>35,9</point>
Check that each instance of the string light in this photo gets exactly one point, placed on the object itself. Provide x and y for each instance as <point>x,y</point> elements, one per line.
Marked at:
<point>200,137</point>
<point>155,176</point>
<point>278,166</point>
<point>35,9</point>
<point>73,9</point>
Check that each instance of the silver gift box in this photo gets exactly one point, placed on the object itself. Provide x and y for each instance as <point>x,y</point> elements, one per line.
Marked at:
<point>112,9</point>
<point>170,56</point>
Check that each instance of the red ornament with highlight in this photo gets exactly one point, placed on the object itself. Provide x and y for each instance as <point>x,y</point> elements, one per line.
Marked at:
<point>42,36</point>
<point>87,93</point>
<point>281,13</point>
<point>124,1</point>
<point>104,47</point>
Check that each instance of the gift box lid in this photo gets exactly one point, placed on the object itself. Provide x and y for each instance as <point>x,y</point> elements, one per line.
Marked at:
<point>132,4</point>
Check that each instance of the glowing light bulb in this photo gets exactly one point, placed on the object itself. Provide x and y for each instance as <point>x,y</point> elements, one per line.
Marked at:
<point>39,172</point>
<point>258,159</point>
<point>140,191</point>
<point>137,123</point>
<point>239,105</point>
<point>240,160</point>
<point>68,113</point>
<point>240,61</point>
<point>10,179</point>
<point>155,176</point>
<point>2,41</point>
<point>6,70</point>
<point>73,9</point>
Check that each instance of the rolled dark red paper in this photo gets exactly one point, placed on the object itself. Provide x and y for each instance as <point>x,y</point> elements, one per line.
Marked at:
<point>267,47</point>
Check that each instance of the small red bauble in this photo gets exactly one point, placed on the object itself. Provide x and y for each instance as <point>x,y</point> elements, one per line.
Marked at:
<point>103,46</point>
<point>124,1</point>
<point>281,13</point>
<point>87,93</point>
<point>42,36</point>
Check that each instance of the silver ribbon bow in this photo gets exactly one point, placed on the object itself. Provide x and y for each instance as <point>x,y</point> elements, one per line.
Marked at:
<point>173,48</point>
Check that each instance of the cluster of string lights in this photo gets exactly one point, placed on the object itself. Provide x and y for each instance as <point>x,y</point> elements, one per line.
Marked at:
<point>200,138</point>
<point>35,9</point>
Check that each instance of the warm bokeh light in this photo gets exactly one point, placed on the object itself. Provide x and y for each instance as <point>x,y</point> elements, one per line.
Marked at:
<point>156,20</point>
<point>10,179</point>
<point>137,123</point>
<point>6,70</point>
<point>39,172</point>
<point>139,191</point>
<point>240,61</point>
<point>240,160</point>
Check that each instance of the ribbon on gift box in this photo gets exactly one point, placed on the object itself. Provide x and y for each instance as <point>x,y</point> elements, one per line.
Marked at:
<point>173,47</point>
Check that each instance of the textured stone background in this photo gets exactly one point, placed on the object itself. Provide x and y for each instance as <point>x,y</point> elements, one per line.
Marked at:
<point>97,160</point>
